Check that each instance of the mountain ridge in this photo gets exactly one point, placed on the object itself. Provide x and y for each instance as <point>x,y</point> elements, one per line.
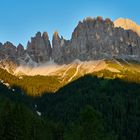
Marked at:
<point>92,39</point>
<point>37,81</point>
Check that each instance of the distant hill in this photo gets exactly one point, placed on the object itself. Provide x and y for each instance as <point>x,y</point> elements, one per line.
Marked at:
<point>37,81</point>
<point>127,24</point>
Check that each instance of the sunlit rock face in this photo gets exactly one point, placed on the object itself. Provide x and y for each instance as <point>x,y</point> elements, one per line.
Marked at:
<point>127,24</point>
<point>56,47</point>
<point>95,39</point>
<point>59,48</point>
<point>39,49</point>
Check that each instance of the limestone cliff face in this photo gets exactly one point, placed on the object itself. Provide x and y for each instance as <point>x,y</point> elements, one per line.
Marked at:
<point>8,51</point>
<point>58,48</point>
<point>95,39</point>
<point>92,39</point>
<point>20,51</point>
<point>127,24</point>
<point>56,43</point>
<point>39,49</point>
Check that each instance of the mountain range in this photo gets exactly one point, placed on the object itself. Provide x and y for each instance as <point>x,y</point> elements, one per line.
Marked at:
<point>92,39</point>
<point>85,88</point>
<point>99,47</point>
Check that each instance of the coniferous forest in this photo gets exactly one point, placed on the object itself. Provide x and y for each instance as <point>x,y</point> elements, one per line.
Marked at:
<point>89,108</point>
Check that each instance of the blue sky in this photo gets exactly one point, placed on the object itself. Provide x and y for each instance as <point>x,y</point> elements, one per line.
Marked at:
<point>21,19</point>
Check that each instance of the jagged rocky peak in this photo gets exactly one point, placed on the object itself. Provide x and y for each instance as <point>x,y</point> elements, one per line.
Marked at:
<point>45,36</point>
<point>38,35</point>
<point>7,54</point>
<point>56,41</point>
<point>97,38</point>
<point>92,23</point>
<point>90,29</point>
<point>89,36</point>
<point>39,49</point>
<point>55,35</point>
<point>20,47</point>
<point>20,50</point>
<point>98,20</point>
<point>9,49</point>
<point>56,44</point>
<point>8,45</point>
<point>92,39</point>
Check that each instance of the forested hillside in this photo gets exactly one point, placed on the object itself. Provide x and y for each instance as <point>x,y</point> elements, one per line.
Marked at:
<point>37,85</point>
<point>89,108</point>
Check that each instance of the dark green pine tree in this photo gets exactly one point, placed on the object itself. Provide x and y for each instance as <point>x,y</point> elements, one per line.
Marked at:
<point>92,126</point>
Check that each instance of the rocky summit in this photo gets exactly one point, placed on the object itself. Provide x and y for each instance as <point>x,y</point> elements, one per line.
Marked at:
<point>92,39</point>
<point>39,49</point>
<point>95,39</point>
